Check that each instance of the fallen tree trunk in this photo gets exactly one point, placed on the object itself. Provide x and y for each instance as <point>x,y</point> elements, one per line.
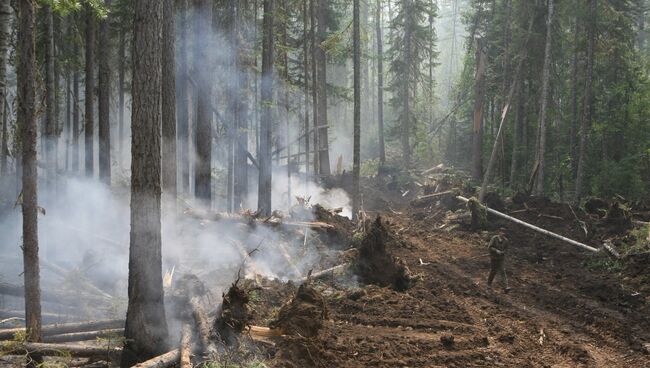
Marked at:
<point>74,350</point>
<point>186,347</point>
<point>261,332</point>
<point>63,328</point>
<point>202,323</point>
<point>535,228</point>
<point>324,273</point>
<point>162,361</point>
<point>249,220</point>
<point>430,197</point>
<point>84,336</point>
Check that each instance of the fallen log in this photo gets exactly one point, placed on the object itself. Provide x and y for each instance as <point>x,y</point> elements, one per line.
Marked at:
<point>162,361</point>
<point>324,273</point>
<point>202,323</point>
<point>186,347</point>
<point>58,297</point>
<point>262,332</point>
<point>83,336</point>
<point>246,219</point>
<point>430,197</point>
<point>73,350</point>
<point>535,228</point>
<point>63,328</point>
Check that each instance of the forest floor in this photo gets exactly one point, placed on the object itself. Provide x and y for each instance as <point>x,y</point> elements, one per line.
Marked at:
<point>560,312</point>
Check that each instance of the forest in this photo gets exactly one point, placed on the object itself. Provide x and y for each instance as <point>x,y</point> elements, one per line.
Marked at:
<point>324,183</point>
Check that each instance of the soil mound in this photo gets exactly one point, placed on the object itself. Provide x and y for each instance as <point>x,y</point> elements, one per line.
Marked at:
<point>304,314</point>
<point>340,234</point>
<point>233,315</point>
<point>375,265</point>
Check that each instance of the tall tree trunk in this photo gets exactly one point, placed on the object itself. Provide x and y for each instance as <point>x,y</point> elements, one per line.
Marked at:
<point>75,113</point>
<point>25,71</point>
<point>90,92</point>
<point>169,103</point>
<point>5,35</point>
<point>380,85</point>
<point>356,166</point>
<point>479,97</point>
<point>120,90</point>
<point>68,118</point>
<point>182,99</point>
<point>541,149</point>
<point>305,51</point>
<point>146,326</point>
<point>587,113</point>
<point>240,185</point>
<point>203,166</point>
<point>5,140</point>
<point>516,136</point>
<point>406,128</point>
<point>266,122</point>
<point>315,90</point>
<point>50,90</point>
<point>104,87</point>
<point>321,64</point>
<point>575,118</point>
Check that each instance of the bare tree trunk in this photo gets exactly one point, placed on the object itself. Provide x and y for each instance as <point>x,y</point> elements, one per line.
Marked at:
<point>266,122</point>
<point>305,51</point>
<point>585,123</point>
<point>541,149</point>
<point>380,85</point>
<point>240,185</point>
<point>50,90</point>
<point>25,72</point>
<point>5,34</point>
<point>314,85</point>
<point>406,129</point>
<point>203,166</point>
<point>146,326</point>
<point>479,97</point>
<point>516,136</point>
<point>356,166</point>
<point>574,100</point>
<point>321,64</point>
<point>75,114</point>
<point>104,87</point>
<point>169,103</point>
<point>182,99</point>
<point>90,92</point>
<point>120,90</point>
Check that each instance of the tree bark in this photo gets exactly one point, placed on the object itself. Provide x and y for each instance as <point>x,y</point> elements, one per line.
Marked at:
<point>585,123</point>
<point>356,166</point>
<point>380,85</point>
<point>104,87</point>
<point>146,326</point>
<point>90,93</point>
<point>75,111</point>
<point>5,35</point>
<point>575,118</point>
<point>169,104</point>
<point>50,90</point>
<point>314,84</point>
<point>240,185</point>
<point>266,122</point>
<point>321,64</point>
<point>203,165</point>
<point>541,149</point>
<point>121,100</point>
<point>25,73</point>
<point>479,97</point>
<point>182,99</point>
<point>305,63</point>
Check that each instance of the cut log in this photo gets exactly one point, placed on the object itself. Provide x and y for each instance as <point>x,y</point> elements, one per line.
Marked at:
<point>169,359</point>
<point>324,273</point>
<point>74,350</point>
<point>186,347</point>
<point>261,332</point>
<point>84,336</point>
<point>535,228</point>
<point>63,328</point>
<point>202,323</point>
<point>430,197</point>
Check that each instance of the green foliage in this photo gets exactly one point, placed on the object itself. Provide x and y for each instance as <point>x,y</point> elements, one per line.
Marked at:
<point>64,7</point>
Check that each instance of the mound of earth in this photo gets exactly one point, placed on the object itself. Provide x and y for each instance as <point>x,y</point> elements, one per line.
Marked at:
<point>304,314</point>
<point>233,315</point>
<point>340,235</point>
<point>375,264</point>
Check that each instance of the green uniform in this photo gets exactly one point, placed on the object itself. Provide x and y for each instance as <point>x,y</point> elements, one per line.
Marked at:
<point>498,248</point>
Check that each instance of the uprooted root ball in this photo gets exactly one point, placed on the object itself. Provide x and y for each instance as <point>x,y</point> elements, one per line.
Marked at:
<point>233,315</point>
<point>304,314</point>
<point>375,265</point>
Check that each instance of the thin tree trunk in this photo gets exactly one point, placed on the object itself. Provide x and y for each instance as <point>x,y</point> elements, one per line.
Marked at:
<point>104,87</point>
<point>516,136</point>
<point>305,52</point>
<point>183,116</point>
<point>50,117</point>
<point>75,114</point>
<point>356,166</point>
<point>315,85</point>
<point>90,92</point>
<point>4,144</point>
<point>479,97</point>
<point>574,100</point>
<point>240,184</point>
<point>146,326</point>
<point>585,123</point>
<point>321,64</point>
<point>266,122</point>
<point>25,71</point>
<point>380,85</point>
<point>203,166</point>
<point>68,119</point>
<point>5,35</point>
<point>169,104</point>
<point>120,90</point>
<point>541,150</point>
